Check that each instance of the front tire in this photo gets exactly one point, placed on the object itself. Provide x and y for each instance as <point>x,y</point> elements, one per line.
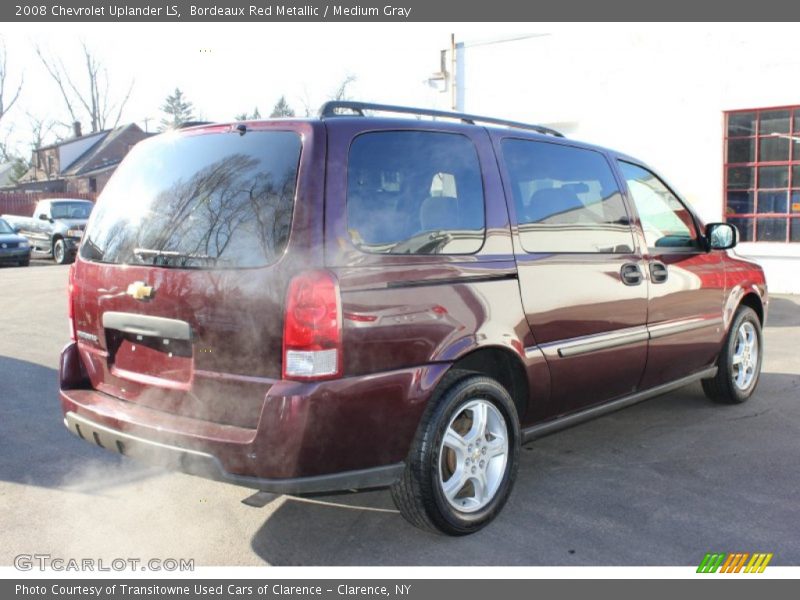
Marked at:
<point>739,363</point>
<point>464,458</point>
<point>60,252</point>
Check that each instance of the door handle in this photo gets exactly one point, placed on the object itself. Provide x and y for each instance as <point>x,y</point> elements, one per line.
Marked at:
<point>631,274</point>
<point>658,272</point>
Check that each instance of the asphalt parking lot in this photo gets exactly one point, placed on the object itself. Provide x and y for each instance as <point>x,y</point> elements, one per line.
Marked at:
<point>661,483</point>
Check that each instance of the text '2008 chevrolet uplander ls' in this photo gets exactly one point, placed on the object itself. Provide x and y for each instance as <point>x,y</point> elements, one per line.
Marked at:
<point>348,302</point>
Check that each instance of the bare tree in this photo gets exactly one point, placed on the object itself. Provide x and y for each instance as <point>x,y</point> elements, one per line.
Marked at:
<point>7,152</point>
<point>92,98</point>
<point>40,130</point>
<point>305,100</point>
<point>310,108</point>
<point>6,102</point>
<point>341,91</point>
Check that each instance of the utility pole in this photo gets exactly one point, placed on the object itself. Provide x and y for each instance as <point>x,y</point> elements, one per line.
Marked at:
<point>457,76</point>
<point>452,71</point>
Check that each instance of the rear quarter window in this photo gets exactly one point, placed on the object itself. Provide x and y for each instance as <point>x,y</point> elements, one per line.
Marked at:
<point>415,192</point>
<point>216,200</point>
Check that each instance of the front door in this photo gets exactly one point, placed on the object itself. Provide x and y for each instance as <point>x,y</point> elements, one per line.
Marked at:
<point>687,282</point>
<point>582,280</point>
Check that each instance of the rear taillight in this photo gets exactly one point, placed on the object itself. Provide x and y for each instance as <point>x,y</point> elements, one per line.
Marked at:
<point>71,303</point>
<point>312,330</point>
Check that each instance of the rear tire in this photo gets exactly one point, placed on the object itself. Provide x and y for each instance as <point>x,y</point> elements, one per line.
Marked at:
<point>739,363</point>
<point>464,458</point>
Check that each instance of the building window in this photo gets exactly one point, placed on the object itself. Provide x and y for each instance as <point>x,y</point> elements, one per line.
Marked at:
<point>762,173</point>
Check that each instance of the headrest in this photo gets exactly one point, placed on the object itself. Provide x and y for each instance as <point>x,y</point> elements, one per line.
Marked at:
<point>439,212</point>
<point>558,203</point>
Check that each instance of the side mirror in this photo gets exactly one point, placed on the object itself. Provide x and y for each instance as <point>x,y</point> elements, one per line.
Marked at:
<point>16,228</point>
<point>43,217</point>
<point>721,236</point>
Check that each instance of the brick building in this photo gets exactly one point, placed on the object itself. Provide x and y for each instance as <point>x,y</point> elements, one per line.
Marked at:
<point>82,164</point>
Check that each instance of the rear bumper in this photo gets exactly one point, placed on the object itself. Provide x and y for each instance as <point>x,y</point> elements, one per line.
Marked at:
<point>349,433</point>
<point>206,465</point>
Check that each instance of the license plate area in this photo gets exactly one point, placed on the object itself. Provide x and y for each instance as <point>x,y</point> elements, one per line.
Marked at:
<point>149,349</point>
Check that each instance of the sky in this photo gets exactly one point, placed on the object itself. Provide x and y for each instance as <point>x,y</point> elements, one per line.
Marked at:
<point>227,69</point>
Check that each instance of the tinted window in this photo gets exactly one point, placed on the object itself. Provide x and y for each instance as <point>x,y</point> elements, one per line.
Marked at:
<point>665,220</point>
<point>213,200</point>
<point>566,199</point>
<point>70,210</point>
<point>415,192</point>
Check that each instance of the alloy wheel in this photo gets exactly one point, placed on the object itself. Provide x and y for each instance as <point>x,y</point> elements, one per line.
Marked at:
<point>745,356</point>
<point>473,455</point>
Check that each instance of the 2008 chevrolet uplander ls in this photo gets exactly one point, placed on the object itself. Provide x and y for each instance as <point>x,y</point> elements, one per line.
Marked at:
<point>303,306</point>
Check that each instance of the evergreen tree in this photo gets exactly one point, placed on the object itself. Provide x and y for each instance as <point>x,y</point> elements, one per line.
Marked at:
<point>282,109</point>
<point>19,168</point>
<point>254,116</point>
<point>178,110</point>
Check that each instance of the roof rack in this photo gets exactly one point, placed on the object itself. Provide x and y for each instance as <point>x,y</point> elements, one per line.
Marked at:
<point>334,108</point>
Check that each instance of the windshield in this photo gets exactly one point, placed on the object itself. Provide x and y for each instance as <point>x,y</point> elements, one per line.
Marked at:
<point>70,210</point>
<point>5,227</point>
<point>211,200</point>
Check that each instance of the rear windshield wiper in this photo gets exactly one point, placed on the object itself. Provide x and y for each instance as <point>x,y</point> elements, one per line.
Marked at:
<point>167,258</point>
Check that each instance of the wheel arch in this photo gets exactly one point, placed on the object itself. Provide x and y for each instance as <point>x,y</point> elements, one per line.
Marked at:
<point>503,365</point>
<point>753,300</point>
<point>750,292</point>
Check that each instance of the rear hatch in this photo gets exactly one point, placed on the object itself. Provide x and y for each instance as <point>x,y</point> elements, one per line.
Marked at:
<point>179,286</point>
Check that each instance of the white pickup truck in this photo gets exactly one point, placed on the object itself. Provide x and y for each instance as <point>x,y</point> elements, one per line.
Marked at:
<point>55,228</point>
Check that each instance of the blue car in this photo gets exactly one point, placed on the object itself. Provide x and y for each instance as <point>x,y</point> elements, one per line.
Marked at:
<point>14,248</point>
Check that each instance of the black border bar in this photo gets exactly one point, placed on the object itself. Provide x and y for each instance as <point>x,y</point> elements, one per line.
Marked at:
<point>397,11</point>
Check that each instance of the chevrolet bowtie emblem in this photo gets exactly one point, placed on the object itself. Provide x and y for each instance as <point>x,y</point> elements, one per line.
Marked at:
<point>139,290</point>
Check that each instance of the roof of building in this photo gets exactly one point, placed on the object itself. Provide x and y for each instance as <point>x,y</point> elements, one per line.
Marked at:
<point>107,152</point>
<point>87,155</point>
<point>85,136</point>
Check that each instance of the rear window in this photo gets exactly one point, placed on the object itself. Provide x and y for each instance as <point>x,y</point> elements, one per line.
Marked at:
<point>415,192</point>
<point>217,200</point>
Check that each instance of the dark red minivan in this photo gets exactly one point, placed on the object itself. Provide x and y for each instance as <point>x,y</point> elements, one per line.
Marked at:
<point>353,301</point>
